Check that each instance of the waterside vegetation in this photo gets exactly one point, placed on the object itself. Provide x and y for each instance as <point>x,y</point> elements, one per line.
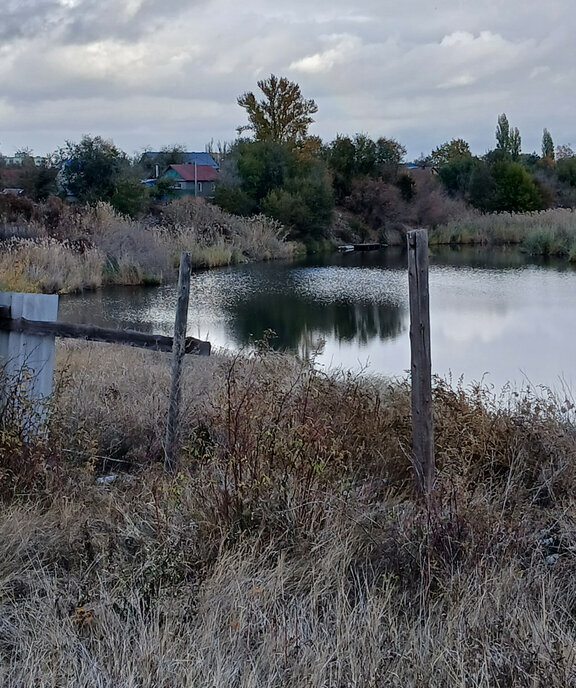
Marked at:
<point>58,249</point>
<point>544,233</point>
<point>279,185</point>
<point>288,549</point>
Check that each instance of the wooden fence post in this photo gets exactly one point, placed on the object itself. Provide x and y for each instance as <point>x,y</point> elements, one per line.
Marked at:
<point>28,359</point>
<point>421,365</point>
<point>178,350</point>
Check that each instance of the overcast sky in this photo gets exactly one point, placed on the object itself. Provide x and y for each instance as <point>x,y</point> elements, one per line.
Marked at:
<point>151,73</point>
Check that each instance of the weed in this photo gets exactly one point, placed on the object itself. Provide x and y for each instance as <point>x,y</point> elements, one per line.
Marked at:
<point>289,550</point>
<point>59,250</point>
<point>546,233</point>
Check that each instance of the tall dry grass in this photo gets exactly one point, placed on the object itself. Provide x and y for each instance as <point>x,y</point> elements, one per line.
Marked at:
<point>549,232</point>
<point>60,249</point>
<point>288,550</point>
<point>218,238</point>
<point>134,252</point>
<point>47,265</point>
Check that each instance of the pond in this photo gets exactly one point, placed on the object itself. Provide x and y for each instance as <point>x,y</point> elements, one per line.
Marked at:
<point>496,314</point>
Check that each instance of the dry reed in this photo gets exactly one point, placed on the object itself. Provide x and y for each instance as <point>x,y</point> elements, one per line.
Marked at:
<point>68,250</point>
<point>288,550</point>
<point>549,232</point>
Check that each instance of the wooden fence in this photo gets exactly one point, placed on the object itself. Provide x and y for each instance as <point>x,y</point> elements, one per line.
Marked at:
<point>29,326</point>
<point>10,321</point>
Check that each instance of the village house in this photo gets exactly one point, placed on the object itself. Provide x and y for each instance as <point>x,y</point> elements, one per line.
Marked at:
<point>192,180</point>
<point>191,174</point>
<point>151,158</point>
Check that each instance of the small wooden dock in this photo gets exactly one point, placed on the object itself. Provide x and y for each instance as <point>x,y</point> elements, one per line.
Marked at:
<point>359,247</point>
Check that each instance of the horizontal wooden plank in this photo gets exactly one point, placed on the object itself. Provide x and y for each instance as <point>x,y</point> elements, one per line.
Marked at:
<point>156,342</point>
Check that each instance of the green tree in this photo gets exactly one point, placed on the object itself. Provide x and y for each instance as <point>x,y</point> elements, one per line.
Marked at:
<point>365,156</point>
<point>407,185</point>
<point>282,116</point>
<point>503,133</point>
<point>516,191</point>
<point>304,205</point>
<point>361,156</point>
<point>234,200</point>
<point>508,140</point>
<point>389,157</point>
<point>340,155</point>
<point>547,146</point>
<point>456,175</point>
<point>482,188</point>
<point>515,144</point>
<point>449,152</point>
<point>130,197</point>
<point>263,166</point>
<point>566,170</point>
<point>531,161</point>
<point>163,190</point>
<point>281,182</point>
<point>92,168</point>
<point>39,182</point>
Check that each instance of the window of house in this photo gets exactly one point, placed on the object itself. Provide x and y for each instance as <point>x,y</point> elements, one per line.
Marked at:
<point>200,187</point>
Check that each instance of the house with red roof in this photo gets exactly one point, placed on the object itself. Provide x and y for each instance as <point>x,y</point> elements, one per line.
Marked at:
<point>191,179</point>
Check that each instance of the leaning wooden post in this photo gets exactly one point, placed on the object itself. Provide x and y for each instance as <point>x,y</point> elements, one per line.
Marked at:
<point>421,366</point>
<point>178,350</point>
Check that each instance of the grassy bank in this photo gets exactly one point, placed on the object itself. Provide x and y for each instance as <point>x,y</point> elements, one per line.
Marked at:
<point>546,233</point>
<point>289,550</point>
<point>70,250</point>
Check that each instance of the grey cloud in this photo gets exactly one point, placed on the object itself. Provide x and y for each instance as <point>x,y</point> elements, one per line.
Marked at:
<point>416,70</point>
<point>84,21</point>
<point>94,20</point>
<point>28,18</point>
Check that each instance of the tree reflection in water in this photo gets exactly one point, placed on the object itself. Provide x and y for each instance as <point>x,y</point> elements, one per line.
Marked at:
<point>301,323</point>
<point>492,311</point>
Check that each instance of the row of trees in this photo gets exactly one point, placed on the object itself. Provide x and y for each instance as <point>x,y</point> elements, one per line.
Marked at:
<point>287,174</point>
<point>284,172</point>
<point>91,170</point>
<point>505,179</point>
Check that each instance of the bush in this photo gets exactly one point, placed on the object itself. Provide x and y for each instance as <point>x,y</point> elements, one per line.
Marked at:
<point>289,549</point>
<point>15,208</point>
<point>515,189</point>
<point>130,198</point>
<point>234,200</point>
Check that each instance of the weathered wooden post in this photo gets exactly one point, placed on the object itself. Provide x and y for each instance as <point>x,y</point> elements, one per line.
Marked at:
<point>28,359</point>
<point>421,365</point>
<point>178,350</point>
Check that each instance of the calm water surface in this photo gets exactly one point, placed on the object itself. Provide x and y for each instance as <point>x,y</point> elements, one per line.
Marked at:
<point>495,315</point>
